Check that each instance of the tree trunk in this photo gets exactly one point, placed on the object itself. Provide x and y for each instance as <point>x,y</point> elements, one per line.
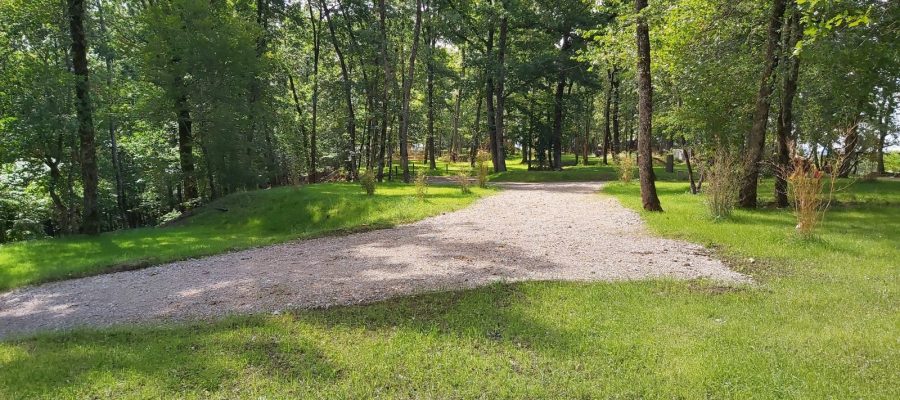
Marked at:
<point>316,24</point>
<point>645,113</point>
<point>556,139</point>
<point>407,89</point>
<point>500,164</point>
<point>455,143</point>
<point>756,138</point>
<point>186,150</point>
<point>785,121</point>
<point>90,220</point>
<point>476,133</point>
<point>348,95</point>
<point>121,199</point>
<point>615,114</point>
<point>607,105</point>
<point>430,89</point>
<point>385,93</point>
<point>848,154</point>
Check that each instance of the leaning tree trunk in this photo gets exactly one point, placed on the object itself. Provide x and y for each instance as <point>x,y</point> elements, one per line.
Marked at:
<point>785,121</point>
<point>848,154</point>
<point>90,220</point>
<point>645,113</point>
<point>407,89</point>
<point>756,138</point>
<point>316,23</point>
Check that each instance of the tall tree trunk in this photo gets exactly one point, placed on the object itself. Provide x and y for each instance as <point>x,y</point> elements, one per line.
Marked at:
<point>489,98</point>
<point>556,139</point>
<point>348,95</point>
<point>121,198</point>
<point>500,164</point>
<point>756,138</point>
<point>848,153</point>
<point>455,146</point>
<point>785,121</point>
<point>645,113</point>
<point>90,220</point>
<point>430,88</point>
<point>886,115</point>
<point>385,90</point>
<point>316,24</point>
<point>186,149</point>
<point>476,133</point>
<point>607,106</point>
<point>615,114</point>
<point>407,89</point>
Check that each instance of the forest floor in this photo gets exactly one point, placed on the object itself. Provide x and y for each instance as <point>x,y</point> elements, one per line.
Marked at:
<point>545,231</point>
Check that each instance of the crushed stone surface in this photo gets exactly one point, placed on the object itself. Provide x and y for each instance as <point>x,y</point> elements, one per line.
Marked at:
<point>529,231</point>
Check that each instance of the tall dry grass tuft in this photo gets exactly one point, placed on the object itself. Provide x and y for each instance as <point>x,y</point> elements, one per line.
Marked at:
<point>807,190</point>
<point>421,183</point>
<point>625,168</point>
<point>481,168</point>
<point>367,181</point>
<point>723,185</point>
<point>462,178</point>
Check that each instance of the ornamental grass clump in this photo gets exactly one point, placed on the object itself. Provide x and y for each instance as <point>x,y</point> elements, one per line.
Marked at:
<point>723,185</point>
<point>482,168</point>
<point>462,178</point>
<point>421,183</point>
<point>625,168</point>
<point>806,189</point>
<point>367,181</point>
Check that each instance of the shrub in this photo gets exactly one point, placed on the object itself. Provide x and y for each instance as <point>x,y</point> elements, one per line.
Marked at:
<point>367,181</point>
<point>482,168</point>
<point>806,190</point>
<point>463,179</point>
<point>421,183</point>
<point>625,168</point>
<point>723,184</point>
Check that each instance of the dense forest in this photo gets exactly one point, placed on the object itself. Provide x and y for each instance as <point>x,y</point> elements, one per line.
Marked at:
<point>126,113</point>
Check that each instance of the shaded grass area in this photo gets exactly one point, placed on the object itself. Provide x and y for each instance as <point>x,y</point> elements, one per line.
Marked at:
<point>820,323</point>
<point>252,219</point>
<point>572,172</point>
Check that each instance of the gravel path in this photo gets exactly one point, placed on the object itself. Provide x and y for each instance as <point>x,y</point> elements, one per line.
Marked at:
<point>547,231</point>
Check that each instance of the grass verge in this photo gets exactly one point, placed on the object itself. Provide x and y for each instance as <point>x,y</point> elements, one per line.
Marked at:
<point>252,219</point>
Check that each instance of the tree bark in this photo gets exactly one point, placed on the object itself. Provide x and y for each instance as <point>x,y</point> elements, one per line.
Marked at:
<point>615,114</point>
<point>489,98</point>
<point>500,164</point>
<point>186,149</point>
<point>645,113</point>
<point>407,89</point>
<point>607,105</point>
<point>848,154</point>
<point>121,198</point>
<point>756,138</point>
<point>90,220</point>
<point>385,93</point>
<point>785,121</point>
<point>316,24</point>
<point>556,139</point>
<point>430,89</point>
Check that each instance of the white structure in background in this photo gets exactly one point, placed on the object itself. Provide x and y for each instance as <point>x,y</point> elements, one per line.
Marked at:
<point>679,154</point>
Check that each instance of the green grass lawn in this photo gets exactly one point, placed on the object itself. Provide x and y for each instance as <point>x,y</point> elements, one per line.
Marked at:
<point>822,321</point>
<point>253,219</point>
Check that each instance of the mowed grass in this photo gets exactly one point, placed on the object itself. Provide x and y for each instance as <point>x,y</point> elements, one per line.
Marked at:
<point>252,219</point>
<point>820,322</point>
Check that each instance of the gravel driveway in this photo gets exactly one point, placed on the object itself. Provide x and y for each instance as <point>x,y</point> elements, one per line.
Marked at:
<point>545,231</point>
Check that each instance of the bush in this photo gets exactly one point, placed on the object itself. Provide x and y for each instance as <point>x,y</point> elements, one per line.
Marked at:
<point>463,179</point>
<point>723,184</point>
<point>367,181</point>
<point>806,190</point>
<point>481,166</point>
<point>421,183</point>
<point>625,168</point>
